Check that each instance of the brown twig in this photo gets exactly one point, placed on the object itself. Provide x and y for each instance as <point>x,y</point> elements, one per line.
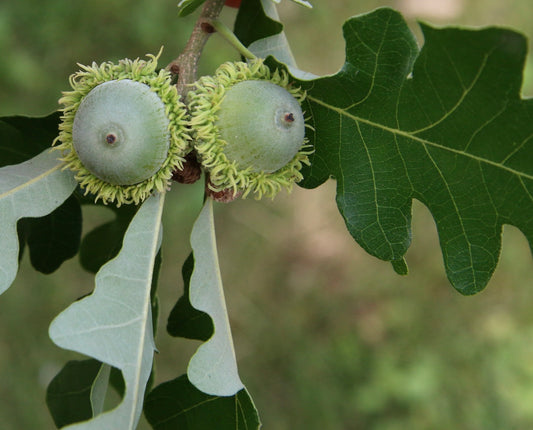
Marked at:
<point>186,65</point>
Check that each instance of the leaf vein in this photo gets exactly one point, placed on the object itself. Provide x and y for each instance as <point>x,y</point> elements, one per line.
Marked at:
<point>420,140</point>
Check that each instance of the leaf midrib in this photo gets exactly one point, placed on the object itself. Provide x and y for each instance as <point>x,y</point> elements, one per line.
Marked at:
<point>31,181</point>
<point>420,140</point>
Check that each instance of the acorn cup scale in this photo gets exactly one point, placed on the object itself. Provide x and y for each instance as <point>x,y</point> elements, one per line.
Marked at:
<point>120,132</point>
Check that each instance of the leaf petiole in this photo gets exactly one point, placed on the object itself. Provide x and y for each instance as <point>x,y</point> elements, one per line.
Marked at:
<point>230,37</point>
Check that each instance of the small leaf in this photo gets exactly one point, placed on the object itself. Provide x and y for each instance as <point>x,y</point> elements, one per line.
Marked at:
<point>177,404</point>
<point>186,7</point>
<point>33,188</point>
<point>213,368</point>
<point>257,26</point>
<point>184,320</point>
<point>104,242</point>
<point>114,323</point>
<point>400,266</point>
<point>77,392</point>
<point>22,137</point>
<point>252,23</point>
<point>54,238</point>
<point>300,2</point>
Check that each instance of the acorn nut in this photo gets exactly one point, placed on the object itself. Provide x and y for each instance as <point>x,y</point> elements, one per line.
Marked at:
<point>123,130</point>
<point>249,129</point>
<point>262,124</point>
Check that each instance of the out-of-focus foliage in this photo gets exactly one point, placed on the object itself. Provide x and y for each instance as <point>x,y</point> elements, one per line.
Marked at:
<point>326,336</point>
<point>41,43</point>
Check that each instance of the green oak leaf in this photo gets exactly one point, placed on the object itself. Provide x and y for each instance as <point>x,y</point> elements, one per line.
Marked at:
<point>177,404</point>
<point>186,7</point>
<point>300,2</point>
<point>104,242</point>
<point>257,26</point>
<point>213,368</point>
<point>77,392</point>
<point>114,323</point>
<point>33,188</point>
<point>445,125</point>
<point>22,137</point>
<point>253,23</point>
<point>53,238</point>
<point>184,320</point>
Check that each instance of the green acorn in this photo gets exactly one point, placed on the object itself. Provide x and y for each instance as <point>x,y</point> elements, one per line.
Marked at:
<point>249,129</point>
<point>123,130</point>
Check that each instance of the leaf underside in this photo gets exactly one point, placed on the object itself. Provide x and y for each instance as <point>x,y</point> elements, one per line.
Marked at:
<point>33,188</point>
<point>213,368</point>
<point>445,125</point>
<point>114,324</point>
<point>55,237</point>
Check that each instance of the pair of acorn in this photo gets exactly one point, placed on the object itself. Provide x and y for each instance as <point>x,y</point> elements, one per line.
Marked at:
<point>124,130</point>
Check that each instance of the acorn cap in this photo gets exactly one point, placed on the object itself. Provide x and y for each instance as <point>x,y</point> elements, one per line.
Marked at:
<point>249,129</point>
<point>123,130</point>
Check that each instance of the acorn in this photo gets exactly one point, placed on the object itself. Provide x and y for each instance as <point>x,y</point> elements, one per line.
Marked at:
<point>249,129</point>
<point>123,130</point>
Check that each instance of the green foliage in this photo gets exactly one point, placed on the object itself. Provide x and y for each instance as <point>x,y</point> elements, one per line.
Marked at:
<point>104,242</point>
<point>448,136</point>
<point>23,137</point>
<point>213,369</point>
<point>73,396</point>
<point>253,24</point>
<point>444,124</point>
<point>184,320</point>
<point>54,238</point>
<point>33,188</point>
<point>114,323</point>
<point>179,404</point>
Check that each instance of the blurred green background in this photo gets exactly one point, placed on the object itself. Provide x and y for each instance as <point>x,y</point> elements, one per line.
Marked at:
<point>327,337</point>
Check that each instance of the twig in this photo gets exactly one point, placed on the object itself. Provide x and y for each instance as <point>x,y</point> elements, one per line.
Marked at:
<point>186,65</point>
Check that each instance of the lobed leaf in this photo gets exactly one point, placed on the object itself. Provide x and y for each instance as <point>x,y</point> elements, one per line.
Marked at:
<point>33,188</point>
<point>104,242</point>
<point>177,404</point>
<point>22,137</point>
<point>253,23</point>
<point>445,125</point>
<point>186,7</point>
<point>184,320</point>
<point>53,238</point>
<point>213,368</point>
<point>77,392</point>
<point>114,324</point>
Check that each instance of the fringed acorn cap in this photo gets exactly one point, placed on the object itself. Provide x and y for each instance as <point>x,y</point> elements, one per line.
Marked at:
<point>123,130</point>
<point>249,129</point>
